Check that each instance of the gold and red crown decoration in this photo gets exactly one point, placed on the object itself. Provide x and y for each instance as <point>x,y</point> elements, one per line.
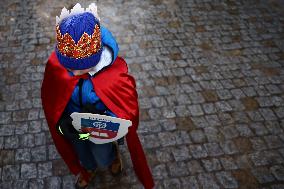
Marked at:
<point>85,47</point>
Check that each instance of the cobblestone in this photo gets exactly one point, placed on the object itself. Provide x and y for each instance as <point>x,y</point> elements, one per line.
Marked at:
<point>210,92</point>
<point>212,165</point>
<point>207,181</point>
<point>227,180</point>
<point>28,171</point>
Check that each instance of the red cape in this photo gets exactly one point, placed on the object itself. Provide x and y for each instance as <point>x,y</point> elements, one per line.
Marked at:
<point>116,88</point>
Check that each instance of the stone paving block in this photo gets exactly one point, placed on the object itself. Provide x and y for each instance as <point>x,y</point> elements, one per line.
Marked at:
<point>274,127</point>
<point>172,183</point>
<point>229,132</point>
<point>1,142</point>
<point>23,155</point>
<point>236,105</point>
<point>5,117</point>
<point>225,118</point>
<point>267,114</point>
<point>182,137</point>
<point>38,153</point>
<point>21,128</point>
<point>209,108</point>
<point>52,153</point>
<point>26,140</point>
<point>197,136</point>
<point>40,139</point>
<point>263,175</point>
<point>258,143</point>
<point>227,180</point>
<point>164,155</point>
<point>207,181</point>
<point>277,186</point>
<point>36,184</point>
<point>200,122</point>
<point>158,102</point>
<point>195,110</point>
<point>53,183</point>
<point>68,182</point>
<point>240,117</point>
<point>160,171</point>
<point>255,116</point>
<point>278,172</point>
<point>189,182</point>
<point>213,149</point>
<point>194,167</point>
<point>167,139</point>
<point>6,184</point>
<point>265,158</point>
<point>168,124</point>
<point>6,130</point>
<point>10,172</point>
<point>168,113</point>
<point>155,113</point>
<point>149,126</point>
<point>181,153</point>
<point>273,141</point>
<point>213,120</point>
<point>178,169</point>
<point>20,184</point>
<point>228,163</point>
<point>229,147</point>
<point>7,157</point>
<point>11,142</point>
<point>196,98</point>
<point>34,126</point>
<point>224,94</point>
<point>211,164</point>
<point>28,171</point>
<point>223,106</point>
<point>183,99</point>
<point>244,130</point>
<point>44,169</point>
<point>258,128</point>
<point>198,151</point>
<point>181,111</point>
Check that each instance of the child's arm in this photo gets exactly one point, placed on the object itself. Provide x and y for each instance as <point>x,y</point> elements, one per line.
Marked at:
<point>65,128</point>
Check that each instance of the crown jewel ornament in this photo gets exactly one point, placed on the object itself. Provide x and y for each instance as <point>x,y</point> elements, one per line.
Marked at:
<point>86,46</point>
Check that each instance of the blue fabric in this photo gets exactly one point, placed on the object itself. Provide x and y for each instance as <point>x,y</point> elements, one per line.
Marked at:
<point>88,96</point>
<point>94,156</point>
<point>79,64</point>
<point>109,40</point>
<point>88,93</point>
<point>76,25</point>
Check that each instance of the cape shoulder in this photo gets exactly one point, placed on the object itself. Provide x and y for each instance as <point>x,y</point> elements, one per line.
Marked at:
<point>117,89</point>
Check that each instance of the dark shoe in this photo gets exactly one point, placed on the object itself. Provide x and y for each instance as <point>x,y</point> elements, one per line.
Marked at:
<point>81,183</point>
<point>116,166</point>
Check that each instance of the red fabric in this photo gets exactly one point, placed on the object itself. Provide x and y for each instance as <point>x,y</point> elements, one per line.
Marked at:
<point>116,88</point>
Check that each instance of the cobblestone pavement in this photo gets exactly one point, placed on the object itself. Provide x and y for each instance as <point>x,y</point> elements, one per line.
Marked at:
<point>210,78</point>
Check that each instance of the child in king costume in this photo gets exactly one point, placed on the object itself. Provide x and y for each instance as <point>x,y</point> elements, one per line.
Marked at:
<point>84,74</point>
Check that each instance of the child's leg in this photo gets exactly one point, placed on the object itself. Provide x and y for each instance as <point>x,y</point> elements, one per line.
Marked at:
<point>84,154</point>
<point>104,154</point>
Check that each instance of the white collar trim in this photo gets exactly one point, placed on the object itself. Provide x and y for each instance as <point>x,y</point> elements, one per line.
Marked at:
<point>105,60</point>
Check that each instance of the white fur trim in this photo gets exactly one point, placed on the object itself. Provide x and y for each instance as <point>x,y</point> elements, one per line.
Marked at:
<point>106,59</point>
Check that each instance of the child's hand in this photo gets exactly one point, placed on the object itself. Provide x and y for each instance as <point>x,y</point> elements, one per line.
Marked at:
<point>84,136</point>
